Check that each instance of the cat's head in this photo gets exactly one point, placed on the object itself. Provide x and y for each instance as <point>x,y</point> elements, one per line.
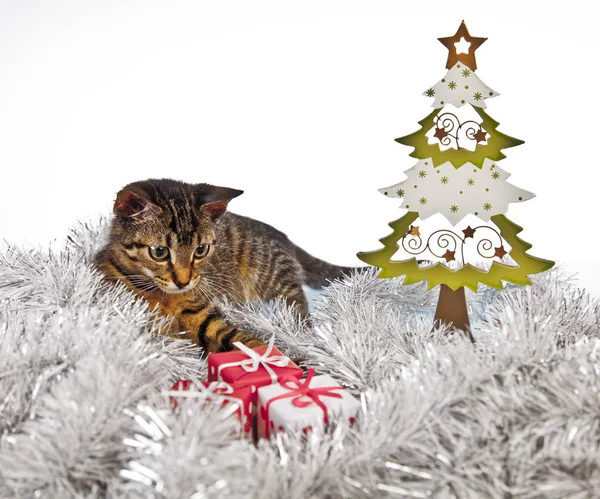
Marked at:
<point>164,231</point>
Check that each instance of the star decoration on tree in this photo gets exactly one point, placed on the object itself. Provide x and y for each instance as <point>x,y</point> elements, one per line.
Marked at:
<point>440,133</point>
<point>449,255</point>
<point>480,135</point>
<point>468,232</point>
<point>500,252</point>
<point>453,55</point>
<point>414,231</point>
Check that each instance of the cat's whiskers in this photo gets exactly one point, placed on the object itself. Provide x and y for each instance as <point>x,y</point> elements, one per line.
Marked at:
<point>144,294</point>
<point>216,287</point>
<point>136,280</point>
<point>199,290</point>
<point>213,286</point>
<point>208,280</point>
<point>147,287</point>
<point>139,281</point>
<point>216,276</point>
<point>142,282</point>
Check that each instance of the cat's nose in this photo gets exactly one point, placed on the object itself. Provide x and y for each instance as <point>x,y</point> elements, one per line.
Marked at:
<point>180,282</point>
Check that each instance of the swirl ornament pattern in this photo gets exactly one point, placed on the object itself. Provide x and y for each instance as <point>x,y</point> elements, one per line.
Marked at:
<point>452,133</point>
<point>451,246</point>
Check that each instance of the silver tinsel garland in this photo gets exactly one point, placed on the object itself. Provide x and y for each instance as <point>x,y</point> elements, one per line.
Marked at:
<point>84,411</point>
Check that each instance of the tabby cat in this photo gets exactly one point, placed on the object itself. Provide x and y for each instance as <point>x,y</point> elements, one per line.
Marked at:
<point>175,245</point>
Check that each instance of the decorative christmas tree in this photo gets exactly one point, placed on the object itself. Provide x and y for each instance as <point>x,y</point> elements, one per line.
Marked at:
<point>456,196</point>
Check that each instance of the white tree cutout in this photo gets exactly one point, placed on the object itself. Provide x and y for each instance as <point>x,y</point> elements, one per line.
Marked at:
<point>460,86</point>
<point>457,128</point>
<point>472,242</point>
<point>456,192</point>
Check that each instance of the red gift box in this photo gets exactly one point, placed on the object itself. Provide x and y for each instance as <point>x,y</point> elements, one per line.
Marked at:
<point>241,395</point>
<point>258,366</point>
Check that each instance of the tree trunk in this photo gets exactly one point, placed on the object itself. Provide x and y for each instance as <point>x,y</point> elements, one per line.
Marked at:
<point>452,310</point>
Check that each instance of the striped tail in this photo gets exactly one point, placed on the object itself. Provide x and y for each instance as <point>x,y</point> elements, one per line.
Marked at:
<point>318,273</point>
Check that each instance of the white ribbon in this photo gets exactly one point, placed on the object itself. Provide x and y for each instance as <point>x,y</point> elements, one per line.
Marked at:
<point>256,360</point>
<point>225,388</point>
<point>204,391</point>
<point>209,392</point>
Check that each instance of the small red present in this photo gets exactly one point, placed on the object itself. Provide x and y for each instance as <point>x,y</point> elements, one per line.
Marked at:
<point>241,395</point>
<point>258,366</point>
<point>308,403</point>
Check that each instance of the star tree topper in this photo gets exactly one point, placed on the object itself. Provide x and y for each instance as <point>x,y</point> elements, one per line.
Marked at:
<point>450,43</point>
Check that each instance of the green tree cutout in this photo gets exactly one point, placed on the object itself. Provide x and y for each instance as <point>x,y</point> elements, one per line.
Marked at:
<point>489,143</point>
<point>468,276</point>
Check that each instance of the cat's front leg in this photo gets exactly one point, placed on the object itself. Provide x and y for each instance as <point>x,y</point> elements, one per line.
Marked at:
<point>205,325</point>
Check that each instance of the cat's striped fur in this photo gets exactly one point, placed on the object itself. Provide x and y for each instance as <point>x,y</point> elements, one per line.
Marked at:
<point>210,253</point>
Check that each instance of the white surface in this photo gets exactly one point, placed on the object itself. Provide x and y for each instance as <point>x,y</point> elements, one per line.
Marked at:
<point>297,103</point>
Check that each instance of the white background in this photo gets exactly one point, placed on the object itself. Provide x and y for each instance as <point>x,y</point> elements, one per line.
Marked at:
<point>297,103</point>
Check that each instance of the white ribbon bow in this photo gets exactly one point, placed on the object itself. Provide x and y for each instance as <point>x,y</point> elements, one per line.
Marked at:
<point>225,388</point>
<point>204,391</point>
<point>208,393</point>
<point>255,360</point>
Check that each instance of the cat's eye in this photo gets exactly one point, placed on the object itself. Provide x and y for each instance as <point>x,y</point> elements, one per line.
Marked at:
<point>201,251</point>
<point>159,253</point>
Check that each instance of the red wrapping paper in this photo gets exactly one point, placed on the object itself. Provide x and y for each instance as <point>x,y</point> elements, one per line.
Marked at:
<point>256,367</point>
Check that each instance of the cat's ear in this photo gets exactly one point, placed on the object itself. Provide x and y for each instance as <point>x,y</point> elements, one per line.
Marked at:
<point>129,203</point>
<point>213,200</point>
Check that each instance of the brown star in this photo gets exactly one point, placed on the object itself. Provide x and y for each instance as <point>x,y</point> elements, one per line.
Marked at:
<point>468,232</point>
<point>440,133</point>
<point>500,252</point>
<point>453,57</point>
<point>480,136</point>
<point>414,231</point>
<point>449,255</point>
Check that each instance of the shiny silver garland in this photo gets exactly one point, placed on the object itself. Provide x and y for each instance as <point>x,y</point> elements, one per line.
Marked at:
<point>83,411</point>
